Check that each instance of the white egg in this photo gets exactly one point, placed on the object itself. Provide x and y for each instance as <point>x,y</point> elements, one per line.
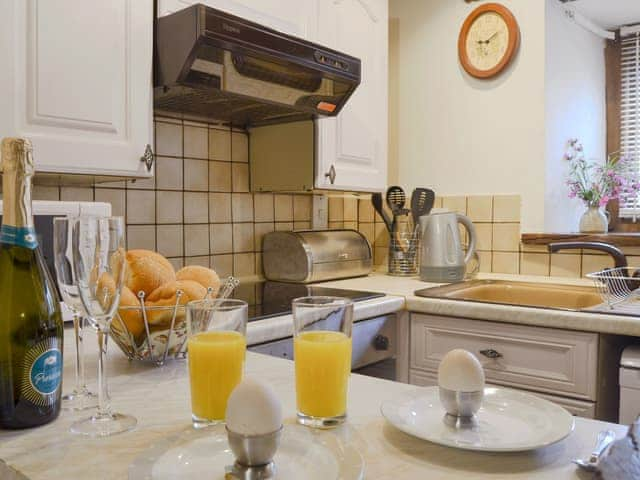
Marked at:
<point>253,409</point>
<point>460,371</point>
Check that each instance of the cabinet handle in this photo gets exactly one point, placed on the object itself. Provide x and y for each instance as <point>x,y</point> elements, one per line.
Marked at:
<point>491,353</point>
<point>331,174</point>
<point>381,342</point>
<point>147,157</point>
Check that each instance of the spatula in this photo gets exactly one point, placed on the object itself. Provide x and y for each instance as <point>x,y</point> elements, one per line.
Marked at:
<point>422,200</point>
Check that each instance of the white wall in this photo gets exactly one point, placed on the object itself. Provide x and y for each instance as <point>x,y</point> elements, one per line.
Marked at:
<point>465,136</point>
<point>575,107</point>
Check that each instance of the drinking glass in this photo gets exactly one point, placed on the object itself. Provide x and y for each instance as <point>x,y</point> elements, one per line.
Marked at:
<point>322,354</point>
<point>216,350</point>
<point>99,265</point>
<point>80,398</point>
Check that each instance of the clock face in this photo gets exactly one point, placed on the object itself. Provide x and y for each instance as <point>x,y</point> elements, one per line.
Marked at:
<point>488,40</point>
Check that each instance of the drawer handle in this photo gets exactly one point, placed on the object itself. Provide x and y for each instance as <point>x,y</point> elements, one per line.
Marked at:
<point>491,353</point>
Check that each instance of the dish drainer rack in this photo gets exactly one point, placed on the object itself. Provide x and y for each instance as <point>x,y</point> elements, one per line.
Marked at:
<point>619,288</point>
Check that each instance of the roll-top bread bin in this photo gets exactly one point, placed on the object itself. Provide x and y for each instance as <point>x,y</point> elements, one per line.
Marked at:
<point>315,256</point>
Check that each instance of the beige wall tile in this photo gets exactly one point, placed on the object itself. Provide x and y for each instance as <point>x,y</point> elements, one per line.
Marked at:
<point>118,184</point>
<point>244,264</point>
<point>350,209</point>
<point>219,145</point>
<point>196,175</point>
<point>263,207</point>
<point>380,256</point>
<point>480,208</point>
<point>631,251</point>
<point>485,261</point>
<point>177,262</point>
<point>242,207</point>
<point>336,209</point>
<point>455,204</point>
<point>283,208</point>
<point>219,176</point>
<point>42,192</point>
<point>141,236</point>
<point>220,207</point>
<point>243,240</point>
<point>196,240</point>
<point>221,238</point>
<point>169,173</point>
<point>302,208</point>
<point>259,268</point>
<point>382,235</point>
<point>196,207</point>
<point>351,225</point>
<point>506,237</point>
<point>240,177</point>
<point>438,202</point>
<point>168,139</point>
<point>525,247</point>
<point>169,206</point>
<point>365,210</point>
<point>222,264</point>
<point>367,229</point>
<point>534,264</point>
<point>484,232</point>
<point>301,226</point>
<point>563,265</point>
<point>505,262</point>
<point>196,142</point>
<point>506,208</point>
<point>141,206</point>
<point>337,225</point>
<point>76,194</point>
<point>116,198</point>
<point>202,261</point>
<point>260,230</point>
<point>595,263</point>
<point>142,183</point>
<point>283,226</point>
<point>239,147</point>
<point>170,240</point>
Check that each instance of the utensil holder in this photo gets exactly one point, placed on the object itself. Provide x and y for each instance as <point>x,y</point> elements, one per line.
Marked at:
<point>404,250</point>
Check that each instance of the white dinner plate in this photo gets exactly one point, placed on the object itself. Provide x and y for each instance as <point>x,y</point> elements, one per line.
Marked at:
<point>508,421</point>
<point>204,454</point>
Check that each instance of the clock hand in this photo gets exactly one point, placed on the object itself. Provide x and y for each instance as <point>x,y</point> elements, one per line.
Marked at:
<point>489,39</point>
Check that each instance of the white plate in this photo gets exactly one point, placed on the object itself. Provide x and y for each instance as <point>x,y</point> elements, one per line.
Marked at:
<point>508,421</point>
<point>204,454</point>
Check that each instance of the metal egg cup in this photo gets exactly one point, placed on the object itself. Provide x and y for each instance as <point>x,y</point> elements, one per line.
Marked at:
<point>461,407</point>
<point>160,343</point>
<point>254,455</point>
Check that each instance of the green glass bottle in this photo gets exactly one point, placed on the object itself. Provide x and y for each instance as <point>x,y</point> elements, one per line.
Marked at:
<point>30,320</point>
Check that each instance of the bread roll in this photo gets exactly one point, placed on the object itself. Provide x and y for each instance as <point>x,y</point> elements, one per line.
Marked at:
<point>131,317</point>
<point>146,271</point>
<point>165,296</point>
<point>206,277</point>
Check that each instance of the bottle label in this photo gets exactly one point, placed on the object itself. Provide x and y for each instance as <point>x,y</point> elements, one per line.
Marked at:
<point>19,236</point>
<point>42,373</point>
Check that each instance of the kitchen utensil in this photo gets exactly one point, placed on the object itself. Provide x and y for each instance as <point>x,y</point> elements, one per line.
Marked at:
<point>508,421</point>
<point>443,260</point>
<point>403,254</point>
<point>376,199</point>
<point>198,454</point>
<point>604,439</point>
<point>396,200</point>
<point>422,200</point>
<point>254,454</point>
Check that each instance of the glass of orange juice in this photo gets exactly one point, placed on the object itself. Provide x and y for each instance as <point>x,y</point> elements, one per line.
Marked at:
<point>216,349</point>
<point>322,355</point>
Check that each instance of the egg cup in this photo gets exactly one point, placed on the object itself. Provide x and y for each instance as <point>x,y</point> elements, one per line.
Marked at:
<point>461,407</point>
<point>254,455</point>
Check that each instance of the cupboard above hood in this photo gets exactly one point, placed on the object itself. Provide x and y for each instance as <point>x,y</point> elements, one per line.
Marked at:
<point>215,65</point>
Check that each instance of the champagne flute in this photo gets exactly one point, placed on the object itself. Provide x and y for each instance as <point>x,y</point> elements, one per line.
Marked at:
<point>80,398</point>
<point>99,265</point>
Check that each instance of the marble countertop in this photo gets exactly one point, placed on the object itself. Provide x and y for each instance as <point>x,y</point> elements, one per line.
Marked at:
<point>159,398</point>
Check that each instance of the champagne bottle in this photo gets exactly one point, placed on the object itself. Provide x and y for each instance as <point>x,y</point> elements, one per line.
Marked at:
<point>30,320</point>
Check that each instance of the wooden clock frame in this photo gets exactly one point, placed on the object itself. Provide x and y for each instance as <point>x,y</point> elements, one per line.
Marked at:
<point>512,47</point>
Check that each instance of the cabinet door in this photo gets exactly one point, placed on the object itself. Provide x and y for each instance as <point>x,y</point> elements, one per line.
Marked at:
<point>355,142</point>
<point>76,80</point>
<point>294,17</point>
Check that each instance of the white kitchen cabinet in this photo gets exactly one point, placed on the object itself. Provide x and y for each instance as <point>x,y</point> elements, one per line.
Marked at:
<point>76,80</point>
<point>354,144</point>
<point>294,17</point>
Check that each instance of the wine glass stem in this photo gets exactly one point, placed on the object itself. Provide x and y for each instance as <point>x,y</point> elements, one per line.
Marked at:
<point>104,408</point>
<point>79,329</point>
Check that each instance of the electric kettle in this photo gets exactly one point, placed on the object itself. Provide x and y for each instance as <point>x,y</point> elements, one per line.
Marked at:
<point>442,259</point>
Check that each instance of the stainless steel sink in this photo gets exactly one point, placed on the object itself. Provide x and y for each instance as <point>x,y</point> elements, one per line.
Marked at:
<point>524,294</point>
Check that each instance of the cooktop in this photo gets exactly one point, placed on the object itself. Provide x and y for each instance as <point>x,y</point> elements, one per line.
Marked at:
<point>272,299</point>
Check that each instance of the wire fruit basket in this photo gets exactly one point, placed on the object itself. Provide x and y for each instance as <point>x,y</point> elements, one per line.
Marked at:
<point>618,286</point>
<point>155,334</point>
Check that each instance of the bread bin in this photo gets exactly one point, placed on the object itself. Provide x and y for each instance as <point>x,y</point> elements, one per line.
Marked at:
<point>314,256</point>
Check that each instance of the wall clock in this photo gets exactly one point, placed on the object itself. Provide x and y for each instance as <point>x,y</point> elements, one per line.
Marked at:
<point>488,40</point>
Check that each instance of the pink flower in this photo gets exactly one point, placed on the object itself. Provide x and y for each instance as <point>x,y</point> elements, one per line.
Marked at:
<point>604,200</point>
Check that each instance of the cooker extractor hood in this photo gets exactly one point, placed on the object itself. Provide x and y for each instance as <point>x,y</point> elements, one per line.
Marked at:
<point>215,65</point>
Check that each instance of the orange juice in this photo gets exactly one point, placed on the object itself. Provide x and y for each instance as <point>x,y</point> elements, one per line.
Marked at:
<point>323,364</point>
<point>216,362</point>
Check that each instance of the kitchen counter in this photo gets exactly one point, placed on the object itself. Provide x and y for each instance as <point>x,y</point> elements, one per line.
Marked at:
<point>582,321</point>
<point>159,398</point>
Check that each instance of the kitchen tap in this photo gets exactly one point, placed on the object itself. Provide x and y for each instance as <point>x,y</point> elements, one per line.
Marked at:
<point>619,258</point>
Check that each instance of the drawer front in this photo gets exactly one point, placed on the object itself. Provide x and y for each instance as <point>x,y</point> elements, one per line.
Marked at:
<point>542,359</point>
<point>579,408</point>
